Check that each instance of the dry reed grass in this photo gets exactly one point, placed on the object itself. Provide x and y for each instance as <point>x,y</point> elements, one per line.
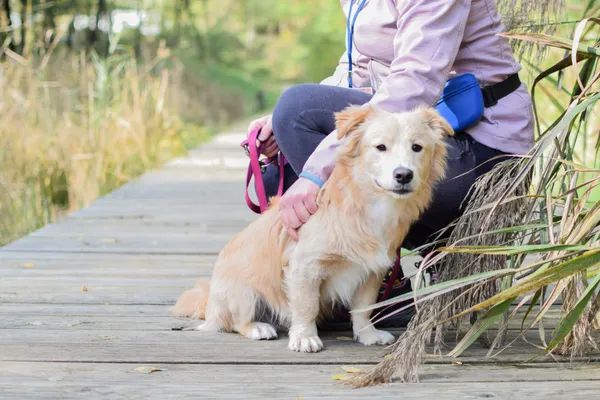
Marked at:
<point>74,127</point>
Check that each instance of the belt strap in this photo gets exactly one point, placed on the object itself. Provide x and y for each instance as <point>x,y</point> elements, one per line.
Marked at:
<point>491,94</point>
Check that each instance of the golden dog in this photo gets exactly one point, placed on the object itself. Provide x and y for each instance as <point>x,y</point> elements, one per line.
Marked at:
<point>386,167</point>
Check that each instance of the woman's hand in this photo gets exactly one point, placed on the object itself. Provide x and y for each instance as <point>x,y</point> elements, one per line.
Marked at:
<point>297,204</point>
<point>265,136</point>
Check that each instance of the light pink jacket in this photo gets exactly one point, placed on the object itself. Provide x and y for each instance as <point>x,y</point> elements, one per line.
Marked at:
<point>406,50</point>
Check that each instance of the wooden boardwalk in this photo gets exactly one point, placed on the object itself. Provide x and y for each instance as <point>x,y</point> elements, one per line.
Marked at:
<point>84,310</point>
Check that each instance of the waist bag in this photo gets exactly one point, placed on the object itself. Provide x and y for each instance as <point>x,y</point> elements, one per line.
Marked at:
<point>463,101</point>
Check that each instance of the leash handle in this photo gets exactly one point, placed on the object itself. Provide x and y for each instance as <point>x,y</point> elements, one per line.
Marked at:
<point>256,168</point>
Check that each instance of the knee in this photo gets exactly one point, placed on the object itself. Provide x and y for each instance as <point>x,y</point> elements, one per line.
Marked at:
<point>292,102</point>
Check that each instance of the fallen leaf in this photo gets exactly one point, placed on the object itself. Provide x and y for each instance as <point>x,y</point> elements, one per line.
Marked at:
<point>340,377</point>
<point>351,370</point>
<point>149,370</point>
<point>29,265</point>
<point>84,289</point>
<point>387,357</point>
<point>343,338</point>
<point>110,240</point>
<point>457,363</point>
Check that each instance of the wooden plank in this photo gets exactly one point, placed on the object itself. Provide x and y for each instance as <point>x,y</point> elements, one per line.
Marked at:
<point>106,323</point>
<point>98,260</point>
<point>200,347</point>
<point>94,295</point>
<point>177,184</point>
<point>122,227</point>
<point>131,245</point>
<point>23,318</point>
<point>38,265</point>
<point>73,380</point>
<point>60,311</point>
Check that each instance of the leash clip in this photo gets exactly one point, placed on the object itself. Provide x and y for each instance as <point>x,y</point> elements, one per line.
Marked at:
<point>246,149</point>
<point>263,166</point>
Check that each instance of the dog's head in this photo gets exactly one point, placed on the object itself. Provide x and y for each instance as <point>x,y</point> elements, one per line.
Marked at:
<point>393,153</point>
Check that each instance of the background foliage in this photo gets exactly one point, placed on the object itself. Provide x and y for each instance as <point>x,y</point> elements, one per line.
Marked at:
<point>95,92</point>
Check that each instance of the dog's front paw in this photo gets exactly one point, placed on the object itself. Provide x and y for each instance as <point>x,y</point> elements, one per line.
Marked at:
<point>311,344</point>
<point>305,340</point>
<point>373,336</point>
<point>260,331</point>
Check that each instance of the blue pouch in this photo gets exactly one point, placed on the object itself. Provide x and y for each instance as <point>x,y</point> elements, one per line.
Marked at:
<point>461,103</point>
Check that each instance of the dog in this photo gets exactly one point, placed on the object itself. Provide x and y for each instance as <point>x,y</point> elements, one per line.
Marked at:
<point>386,167</point>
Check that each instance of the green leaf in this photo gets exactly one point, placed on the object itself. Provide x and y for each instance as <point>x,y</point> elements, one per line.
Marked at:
<point>566,323</point>
<point>532,304</point>
<point>511,250</point>
<point>439,288</point>
<point>480,326</point>
<point>537,281</point>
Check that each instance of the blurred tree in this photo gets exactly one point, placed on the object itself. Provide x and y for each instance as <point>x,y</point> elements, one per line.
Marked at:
<point>6,26</point>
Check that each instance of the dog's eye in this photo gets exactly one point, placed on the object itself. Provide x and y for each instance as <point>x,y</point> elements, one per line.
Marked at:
<point>381,147</point>
<point>417,148</point>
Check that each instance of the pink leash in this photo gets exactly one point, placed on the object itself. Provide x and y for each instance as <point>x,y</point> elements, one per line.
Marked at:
<point>256,168</point>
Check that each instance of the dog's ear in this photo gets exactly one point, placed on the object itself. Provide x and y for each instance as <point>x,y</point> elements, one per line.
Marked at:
<point>442,129</point>
<point>437,122</point>
<point>350,118</point>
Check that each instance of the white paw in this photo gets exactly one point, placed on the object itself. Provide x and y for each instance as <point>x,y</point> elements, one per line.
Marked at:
<point>373,336</point>
<point>305,343</point>
<point>261,331</point>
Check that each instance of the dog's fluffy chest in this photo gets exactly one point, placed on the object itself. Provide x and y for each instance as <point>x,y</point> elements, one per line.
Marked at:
<point>373,236</point>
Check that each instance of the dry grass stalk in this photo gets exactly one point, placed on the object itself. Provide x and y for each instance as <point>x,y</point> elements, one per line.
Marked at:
<point>530,16</point>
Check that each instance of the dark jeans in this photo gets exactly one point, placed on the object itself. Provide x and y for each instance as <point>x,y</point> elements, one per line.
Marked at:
<point>303,117</point>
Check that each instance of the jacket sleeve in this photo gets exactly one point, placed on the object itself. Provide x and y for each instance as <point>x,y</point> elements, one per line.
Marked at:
<point>427,39</point>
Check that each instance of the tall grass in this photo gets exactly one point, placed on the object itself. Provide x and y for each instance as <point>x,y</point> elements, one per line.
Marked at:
<point>74,126</point>
<point>530,238</point>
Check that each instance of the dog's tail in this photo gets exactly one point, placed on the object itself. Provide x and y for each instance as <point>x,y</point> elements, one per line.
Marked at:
<point>192,302</point>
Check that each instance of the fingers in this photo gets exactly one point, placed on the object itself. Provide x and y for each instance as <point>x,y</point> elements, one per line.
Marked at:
<point>293,234</point>
<point>297,205</point>
<point>310,202</point>
<point>302,214</point>
<point>260,123</point>
<point>266,131</point>
<point>286,217</point>
<point>271,147</point>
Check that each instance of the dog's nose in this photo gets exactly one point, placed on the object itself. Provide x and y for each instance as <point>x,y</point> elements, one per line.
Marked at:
<point>403,175</point>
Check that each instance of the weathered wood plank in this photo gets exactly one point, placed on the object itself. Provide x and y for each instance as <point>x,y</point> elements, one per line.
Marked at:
<point>76,260</point>
<point>94,295</point>
<point>73,380</point>
<point>123,227</point>
<point>199,347</point>
<point>132,245</point>
<point>24,319</point>
<point>82,310</point>
<point>43,380</point>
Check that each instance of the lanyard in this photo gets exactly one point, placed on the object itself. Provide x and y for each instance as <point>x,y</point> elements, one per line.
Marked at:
<point>350,29</point>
